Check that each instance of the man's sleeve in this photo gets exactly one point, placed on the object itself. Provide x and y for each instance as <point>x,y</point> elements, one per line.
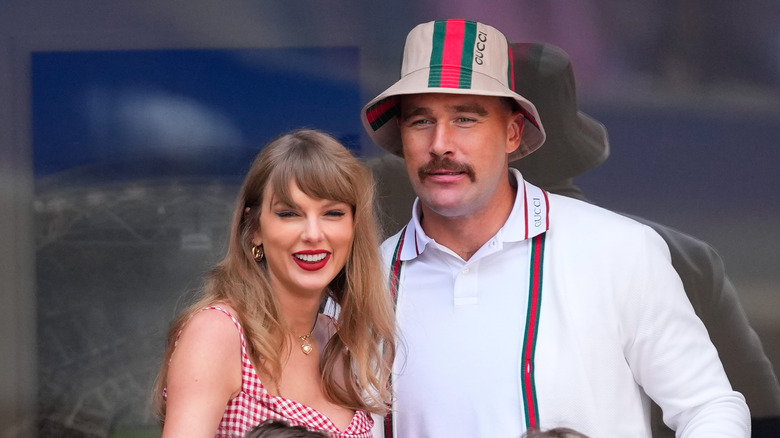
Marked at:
<point>671,355</point>
<point>717,303</point>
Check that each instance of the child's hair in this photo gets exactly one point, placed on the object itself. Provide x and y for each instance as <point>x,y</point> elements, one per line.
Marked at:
<point>280,429</point>
<point>558,432</point>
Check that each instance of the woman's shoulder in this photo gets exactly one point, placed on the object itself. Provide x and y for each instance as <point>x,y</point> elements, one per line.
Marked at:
<point>214,327</point>
<point>220,311</point>
<point>205,366</point>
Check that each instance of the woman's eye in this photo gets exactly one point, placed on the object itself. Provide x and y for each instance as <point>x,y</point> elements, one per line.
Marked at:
<point>335,213</point>
<point>286,213</point>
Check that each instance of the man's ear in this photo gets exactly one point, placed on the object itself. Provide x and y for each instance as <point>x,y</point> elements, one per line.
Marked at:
<point>515,132</point>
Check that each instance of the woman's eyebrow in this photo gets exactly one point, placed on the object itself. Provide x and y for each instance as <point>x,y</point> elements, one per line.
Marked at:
<point>283,203</point>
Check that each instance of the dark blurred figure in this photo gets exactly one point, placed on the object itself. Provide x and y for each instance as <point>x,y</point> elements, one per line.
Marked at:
<point>280,429</point>
<point>575,144</point>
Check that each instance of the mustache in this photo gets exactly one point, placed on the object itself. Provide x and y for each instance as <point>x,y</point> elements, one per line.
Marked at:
<point>445,163</point>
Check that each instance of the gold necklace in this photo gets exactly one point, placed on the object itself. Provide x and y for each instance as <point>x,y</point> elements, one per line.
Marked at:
<point>306,346</point>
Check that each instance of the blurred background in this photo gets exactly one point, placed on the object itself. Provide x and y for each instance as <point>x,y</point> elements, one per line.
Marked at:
<point>125,128</point>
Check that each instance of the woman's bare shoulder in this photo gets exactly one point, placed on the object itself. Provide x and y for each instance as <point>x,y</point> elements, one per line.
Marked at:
<point>207,356</point>
<point>204,374</point>
<point>212,329</point>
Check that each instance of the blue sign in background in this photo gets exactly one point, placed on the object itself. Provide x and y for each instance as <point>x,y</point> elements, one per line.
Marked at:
<point>186,111</point>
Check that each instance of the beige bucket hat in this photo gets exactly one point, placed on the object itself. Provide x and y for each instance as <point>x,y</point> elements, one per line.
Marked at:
<point>456,57</point>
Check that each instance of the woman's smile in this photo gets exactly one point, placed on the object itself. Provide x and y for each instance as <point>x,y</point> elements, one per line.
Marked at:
<point>312,260</point>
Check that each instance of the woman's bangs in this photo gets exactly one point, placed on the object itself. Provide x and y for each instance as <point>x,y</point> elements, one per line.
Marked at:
<point>315,178</point>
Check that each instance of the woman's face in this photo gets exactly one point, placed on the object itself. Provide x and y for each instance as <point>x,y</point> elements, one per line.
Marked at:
<point>307,243</point>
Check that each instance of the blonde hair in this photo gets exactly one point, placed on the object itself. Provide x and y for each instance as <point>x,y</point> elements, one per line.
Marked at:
<point>323,169</point>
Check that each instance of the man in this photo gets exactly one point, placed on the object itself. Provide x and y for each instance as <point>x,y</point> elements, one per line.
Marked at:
<point>577,143</point>
<point>521,309</point>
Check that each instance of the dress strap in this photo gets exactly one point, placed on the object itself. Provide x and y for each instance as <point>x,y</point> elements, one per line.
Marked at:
<point>226,312</point>
<point>245,357</point>
<point>235,321</point>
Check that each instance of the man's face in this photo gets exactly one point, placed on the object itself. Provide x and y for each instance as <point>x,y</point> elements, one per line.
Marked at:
<point>456,148</point>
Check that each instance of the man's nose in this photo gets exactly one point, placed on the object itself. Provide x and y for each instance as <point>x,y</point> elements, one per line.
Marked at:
<point>441,143</point>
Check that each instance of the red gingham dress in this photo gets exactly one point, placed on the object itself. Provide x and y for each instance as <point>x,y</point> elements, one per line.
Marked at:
<point>254,404</point>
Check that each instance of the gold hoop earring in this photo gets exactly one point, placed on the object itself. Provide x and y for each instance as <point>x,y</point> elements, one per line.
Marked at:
<point>257,253</point>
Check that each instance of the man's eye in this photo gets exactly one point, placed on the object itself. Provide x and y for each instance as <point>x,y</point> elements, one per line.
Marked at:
<point>419,122</point>
<point>465,120</point>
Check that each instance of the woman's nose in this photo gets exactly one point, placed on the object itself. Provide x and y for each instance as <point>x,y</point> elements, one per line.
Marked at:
<point>312,231</point>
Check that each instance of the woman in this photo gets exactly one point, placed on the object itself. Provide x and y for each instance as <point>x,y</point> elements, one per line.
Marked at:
<point>255,346</point>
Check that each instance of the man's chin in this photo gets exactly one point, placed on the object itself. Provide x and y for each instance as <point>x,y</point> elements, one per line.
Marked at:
<point>440,208</point>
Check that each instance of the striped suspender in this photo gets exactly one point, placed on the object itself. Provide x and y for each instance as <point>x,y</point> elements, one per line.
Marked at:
<point>395,276</point>
<point>531,332</point>
<point>396,265</point>
<point>531,327</point>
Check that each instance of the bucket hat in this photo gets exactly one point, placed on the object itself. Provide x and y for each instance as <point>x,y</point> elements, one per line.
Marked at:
<point>456,57</point>
<point>575,141</point>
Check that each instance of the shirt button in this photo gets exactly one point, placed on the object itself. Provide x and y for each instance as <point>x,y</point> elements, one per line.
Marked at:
<point>465,270</point>
<point>492,243</point>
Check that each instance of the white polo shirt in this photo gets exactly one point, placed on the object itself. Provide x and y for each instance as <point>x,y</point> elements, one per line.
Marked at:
<point>614,325</point>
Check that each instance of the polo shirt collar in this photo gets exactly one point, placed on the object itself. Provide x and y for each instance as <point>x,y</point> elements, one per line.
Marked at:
<point>414,239</point>
<point>530,216</point>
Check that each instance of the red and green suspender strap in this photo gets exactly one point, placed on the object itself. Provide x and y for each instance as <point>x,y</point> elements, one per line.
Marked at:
<point>531,326</point>
<point>395,275</point>
<point>531,332</point>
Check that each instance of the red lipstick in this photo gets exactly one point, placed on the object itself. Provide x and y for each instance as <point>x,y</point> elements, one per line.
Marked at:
<point>312,260</point>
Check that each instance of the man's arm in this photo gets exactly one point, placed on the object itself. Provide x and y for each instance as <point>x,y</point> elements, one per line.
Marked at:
<point>671,355</point>
<point>715,301</point>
